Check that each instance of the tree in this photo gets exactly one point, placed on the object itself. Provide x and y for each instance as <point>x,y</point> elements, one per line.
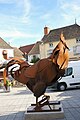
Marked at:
<point>34,59</point>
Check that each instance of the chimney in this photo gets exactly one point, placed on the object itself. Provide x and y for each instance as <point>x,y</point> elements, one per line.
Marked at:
<point>46,30</point>
<point>4,53</point>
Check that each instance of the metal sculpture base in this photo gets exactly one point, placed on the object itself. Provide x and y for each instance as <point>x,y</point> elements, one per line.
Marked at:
<point>45,112</point>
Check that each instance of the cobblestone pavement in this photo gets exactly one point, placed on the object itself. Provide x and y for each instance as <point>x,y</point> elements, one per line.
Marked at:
<point>14,104</point>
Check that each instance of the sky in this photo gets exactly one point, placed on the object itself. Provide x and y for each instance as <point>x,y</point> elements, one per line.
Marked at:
<point>22,22</point>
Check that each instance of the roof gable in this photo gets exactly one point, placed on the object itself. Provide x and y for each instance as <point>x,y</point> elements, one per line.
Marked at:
<point>18,52</point>
<point>4,45</point>
<point>27,48</point>
<point>72,31</point>
<point>35,49</point>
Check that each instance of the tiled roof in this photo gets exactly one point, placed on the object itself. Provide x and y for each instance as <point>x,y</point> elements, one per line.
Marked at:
<point>35,49</point>
<point>26,48</point>
<point>4,45</point>
<point>72,31</point>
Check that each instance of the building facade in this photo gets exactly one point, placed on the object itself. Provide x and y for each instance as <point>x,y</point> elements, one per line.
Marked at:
<point>34,53</point>
<point>51,39</point>
<point>6,51</point>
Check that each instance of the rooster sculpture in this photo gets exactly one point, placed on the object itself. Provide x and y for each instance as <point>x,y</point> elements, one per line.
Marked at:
<point>43,73</point>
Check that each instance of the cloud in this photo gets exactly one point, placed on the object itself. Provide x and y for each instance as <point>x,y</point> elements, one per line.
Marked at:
<point>46,16</point>
<point>16,24</point>
<point>7,1</point>
<point>24,5</point>
<point>26,11</point>
<point>27,7</point>
<point>72,6</point>
<point>70,9</point>
<point>21,12</point>
<point>17,34</point>
<point>68,17</point>
<point>16,37</point>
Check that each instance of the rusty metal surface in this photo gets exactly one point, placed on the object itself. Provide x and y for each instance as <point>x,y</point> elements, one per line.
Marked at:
<point>43,73</point>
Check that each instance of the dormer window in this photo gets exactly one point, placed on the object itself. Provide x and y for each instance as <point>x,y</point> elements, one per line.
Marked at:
<point>78,40</point>
<point>50,44</point>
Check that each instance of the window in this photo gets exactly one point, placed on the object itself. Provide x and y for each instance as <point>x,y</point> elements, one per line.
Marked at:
<point>68,71</point>
<point>50,44</point>
<point>76,50</point>
<point>78,40</point>
<point>49,52</point>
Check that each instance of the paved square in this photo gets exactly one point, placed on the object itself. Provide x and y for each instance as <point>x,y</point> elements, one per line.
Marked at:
<point>14,104</point>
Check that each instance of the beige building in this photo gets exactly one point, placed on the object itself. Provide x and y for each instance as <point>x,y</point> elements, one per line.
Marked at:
<point>34,52</point>
<point>52,37</point>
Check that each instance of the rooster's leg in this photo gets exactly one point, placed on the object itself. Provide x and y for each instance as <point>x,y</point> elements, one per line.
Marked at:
<point>47,98</point>
<point>37,103</point>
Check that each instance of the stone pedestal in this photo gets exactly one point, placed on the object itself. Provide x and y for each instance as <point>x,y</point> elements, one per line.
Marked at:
<point>45,113</point>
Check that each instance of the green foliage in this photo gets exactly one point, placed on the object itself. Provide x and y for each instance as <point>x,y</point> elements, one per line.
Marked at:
<point>1,84</point>
<point>8,83</point>
<point>35,59</point>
